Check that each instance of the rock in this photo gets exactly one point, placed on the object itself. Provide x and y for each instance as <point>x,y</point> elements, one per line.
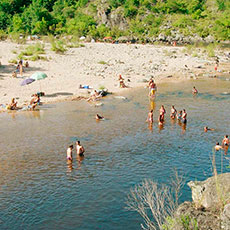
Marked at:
<point>196,219</point>
<point>211,193</point>
<point>225,218</point>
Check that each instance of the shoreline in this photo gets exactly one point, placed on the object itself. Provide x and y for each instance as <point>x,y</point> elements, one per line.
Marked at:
<point>136,63</point>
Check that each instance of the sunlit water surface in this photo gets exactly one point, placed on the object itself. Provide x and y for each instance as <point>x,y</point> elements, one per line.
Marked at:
<point>39,190</point>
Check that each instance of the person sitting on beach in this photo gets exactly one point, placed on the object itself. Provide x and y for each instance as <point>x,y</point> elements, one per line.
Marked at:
<point>80,149</point>
<point>179,115</point>
<point>184,117</point>
<point>69,153</point>
<point>218,146</point>
<point>14,74</point>
<point>94,96</point>
<point>34,101</point>
<point>150,117</point>
<point>27,64</point>
<point>173,112</point>
<point>12,105</point>
<point>98,117</point>
<point>206,129</point>
<point>194,91</point>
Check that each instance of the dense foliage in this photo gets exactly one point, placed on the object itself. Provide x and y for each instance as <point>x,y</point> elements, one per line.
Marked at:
<point>142,18</point>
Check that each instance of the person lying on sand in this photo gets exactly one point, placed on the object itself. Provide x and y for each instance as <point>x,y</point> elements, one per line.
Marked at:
<point>218,146</point>
<point>173,112</point>
<point>80,149</point>
<point>206,129</point>
<point>98,117</point>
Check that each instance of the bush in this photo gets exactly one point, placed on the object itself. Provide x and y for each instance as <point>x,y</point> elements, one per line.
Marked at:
<point>58,47</point>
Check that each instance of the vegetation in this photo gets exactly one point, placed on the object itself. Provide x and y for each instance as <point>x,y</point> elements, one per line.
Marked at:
<point>142,18</point>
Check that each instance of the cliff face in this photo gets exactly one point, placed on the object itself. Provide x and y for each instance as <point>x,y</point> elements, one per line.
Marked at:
<point>210,209</point>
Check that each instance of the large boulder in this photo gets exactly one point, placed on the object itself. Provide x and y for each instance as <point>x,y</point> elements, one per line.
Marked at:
<point>212,193</point>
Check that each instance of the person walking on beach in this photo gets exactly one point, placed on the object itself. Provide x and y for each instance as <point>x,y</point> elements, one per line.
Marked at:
<point>69,153</point>
<point>184,117</point>
<point>150,116</point>
<point>173,112</point>
<point>80,149</point>
<point>194,91</point>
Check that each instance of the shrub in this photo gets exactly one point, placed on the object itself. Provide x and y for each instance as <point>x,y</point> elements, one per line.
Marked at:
<point>58,47</point>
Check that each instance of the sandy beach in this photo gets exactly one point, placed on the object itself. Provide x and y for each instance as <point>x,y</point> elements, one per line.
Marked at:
<point>97,65</point>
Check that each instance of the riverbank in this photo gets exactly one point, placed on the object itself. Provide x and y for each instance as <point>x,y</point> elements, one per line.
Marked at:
<point>99,65</point>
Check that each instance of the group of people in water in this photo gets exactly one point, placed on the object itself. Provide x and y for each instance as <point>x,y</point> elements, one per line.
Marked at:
<point>181,116</point>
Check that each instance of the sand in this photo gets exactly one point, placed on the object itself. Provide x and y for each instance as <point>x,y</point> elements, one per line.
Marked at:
<point>82,66</point>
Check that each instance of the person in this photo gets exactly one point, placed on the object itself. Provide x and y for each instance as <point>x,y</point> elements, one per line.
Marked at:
<point>179,115</point>
<point>98,117</point>
<point>194,91</point>
<point>150,116</point>
<point>13,105</point>
<point>27,64</point>
<point>14,74</point>
<point>20,67</point>
<point>121,81</point>
<point>173,112</point>
<point>206,129</point>
<point>152,85</point>
<point>34,101</point>
<point>225,141</point>
<point>69,153</point>
<point>218,146</point>
<point>162,113</point>
<point>225,144</point>
<point>94,96</point>
<point>80,149</point>
<point>184,117</point>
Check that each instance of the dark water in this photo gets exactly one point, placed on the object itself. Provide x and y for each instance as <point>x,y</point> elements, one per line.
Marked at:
<point>40,191</point>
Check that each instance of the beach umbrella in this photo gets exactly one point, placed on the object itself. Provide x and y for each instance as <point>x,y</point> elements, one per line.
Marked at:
<point>27,81</point>
<point>38,76</point>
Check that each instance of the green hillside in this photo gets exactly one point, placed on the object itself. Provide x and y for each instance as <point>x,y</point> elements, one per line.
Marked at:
<point>140,19</point>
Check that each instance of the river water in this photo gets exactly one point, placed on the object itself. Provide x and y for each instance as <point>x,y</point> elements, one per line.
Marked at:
<point>39,190</point>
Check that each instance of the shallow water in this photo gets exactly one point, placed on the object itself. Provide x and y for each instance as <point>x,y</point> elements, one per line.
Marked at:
<point>39,190</point>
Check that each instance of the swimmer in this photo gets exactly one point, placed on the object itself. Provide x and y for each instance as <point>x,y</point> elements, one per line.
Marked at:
<point>179,115</point>
<point>194,91</point>
<point>150,116</point>
<point>218,146</point>
<point>173,112</point>
<point>206,129</point>
<point>184,117</point>
<point>80,149</point>
<point>98,117</point>
<point>69,153</point>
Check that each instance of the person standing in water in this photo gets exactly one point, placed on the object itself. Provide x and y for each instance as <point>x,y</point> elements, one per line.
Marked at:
<point>194,91</point>
<point>225,144</point>
<point>179,115</point>
<point>150,116</point>
<point>80,149</point>
<point>173,112</point>
<point>69,153</point>
<point>162,114</point>
<point>184,117</point>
